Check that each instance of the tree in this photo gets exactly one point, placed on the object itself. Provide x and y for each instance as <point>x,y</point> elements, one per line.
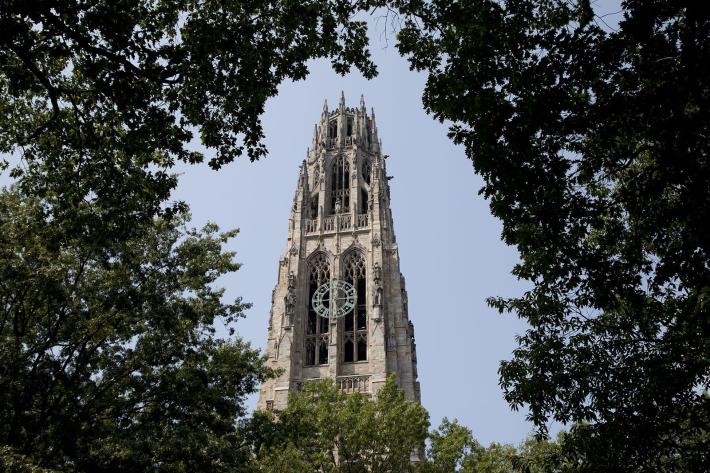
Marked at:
<point>98,99</point>
<point>109,359</point>
<point>593,145</point>
<point>452,448</point>
<point>328,430</point>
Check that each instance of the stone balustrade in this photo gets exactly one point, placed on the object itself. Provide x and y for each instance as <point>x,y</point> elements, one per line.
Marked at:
<point>311,226</point>
<point>362,220</point>
<point>353,384</point>
<point>329,224</point>
<point>332,143</point>
<point>338,223</point>
<point>344,222</point>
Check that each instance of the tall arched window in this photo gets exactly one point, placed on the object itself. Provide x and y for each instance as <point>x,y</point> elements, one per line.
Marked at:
<point>355,323</point>
<point>340,185</point>
<point>316,326</point>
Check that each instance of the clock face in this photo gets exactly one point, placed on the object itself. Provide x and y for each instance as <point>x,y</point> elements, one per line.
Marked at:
<point>334,299</point>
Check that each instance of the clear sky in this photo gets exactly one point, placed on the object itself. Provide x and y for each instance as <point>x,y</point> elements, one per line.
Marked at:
<point>450,248</point>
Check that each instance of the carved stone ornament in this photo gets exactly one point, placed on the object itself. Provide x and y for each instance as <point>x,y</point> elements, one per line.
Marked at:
<point>377,279</point>
<point>290,301</point>
<point>391,343</point>
<point>376,241</point>
<point>293,250</point>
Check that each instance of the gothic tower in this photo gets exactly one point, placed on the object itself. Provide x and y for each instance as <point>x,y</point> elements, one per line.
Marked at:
<point>340,229</point>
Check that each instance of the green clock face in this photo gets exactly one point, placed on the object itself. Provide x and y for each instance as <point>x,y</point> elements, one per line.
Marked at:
<point>334,299</point>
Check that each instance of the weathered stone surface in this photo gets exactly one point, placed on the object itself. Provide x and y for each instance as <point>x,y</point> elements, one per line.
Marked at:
<point>341,215</point>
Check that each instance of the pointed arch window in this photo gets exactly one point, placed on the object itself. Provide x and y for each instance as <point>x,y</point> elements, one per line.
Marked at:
<point>316,340</point>
<point>340,185</point>
<point>354,342</point>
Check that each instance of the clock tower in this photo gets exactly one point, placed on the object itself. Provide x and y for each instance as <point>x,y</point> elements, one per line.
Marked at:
<point>339,308</point>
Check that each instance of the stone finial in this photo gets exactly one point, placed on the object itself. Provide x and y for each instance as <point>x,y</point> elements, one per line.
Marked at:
<point>362,103</point>
<point>325,107</point>
<point>342,100</point>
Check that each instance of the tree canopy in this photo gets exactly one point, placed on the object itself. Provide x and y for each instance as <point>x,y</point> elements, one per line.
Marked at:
<point>593,144</point>
<point>109,359</point>
<point>324,429</point>
<point>98,99</point>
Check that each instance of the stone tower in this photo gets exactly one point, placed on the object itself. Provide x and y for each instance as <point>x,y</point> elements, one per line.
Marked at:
<point>340,228</point>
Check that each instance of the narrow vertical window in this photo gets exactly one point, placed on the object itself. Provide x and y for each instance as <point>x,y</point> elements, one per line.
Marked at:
<point>316,340</point>
<point>355,323</point>
<point>366,170</point>
<point>314,207</point>
<point>340,185</point>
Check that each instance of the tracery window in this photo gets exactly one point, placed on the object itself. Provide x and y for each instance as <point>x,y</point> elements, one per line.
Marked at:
<point>355,323</point>
<point>340,185</point>
<point>316,348</point>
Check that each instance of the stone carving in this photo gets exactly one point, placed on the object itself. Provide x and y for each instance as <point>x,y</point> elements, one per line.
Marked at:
<point>391,343</point>
<point>316,173</point>
<point>377,279</point>
<point>376,241</point>
<point>290,301</point>
<point>410,329</point>
<point>405,302</point>
<point>293,251</point>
